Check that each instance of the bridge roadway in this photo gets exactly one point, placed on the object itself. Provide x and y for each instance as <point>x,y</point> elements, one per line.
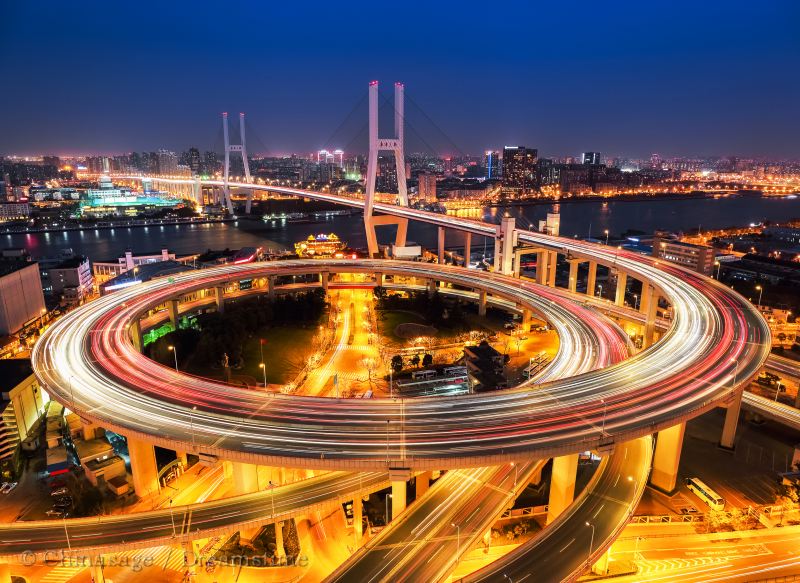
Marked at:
<point>119,532</point>
<point>117,387</point>
<point>116,533</point>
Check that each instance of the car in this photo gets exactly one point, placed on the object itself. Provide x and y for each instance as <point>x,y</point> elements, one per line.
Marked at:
<point>4,486</point>
<point>59,491</point>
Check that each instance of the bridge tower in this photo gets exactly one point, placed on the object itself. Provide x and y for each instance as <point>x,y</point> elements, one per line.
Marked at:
<point>235,148</point>
<point>377,145</point>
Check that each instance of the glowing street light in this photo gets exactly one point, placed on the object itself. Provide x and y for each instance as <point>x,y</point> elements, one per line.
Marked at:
<point>174,352</point>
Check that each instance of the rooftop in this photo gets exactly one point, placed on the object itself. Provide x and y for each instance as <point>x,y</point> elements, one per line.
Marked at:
<point>7,267</point>
<point>13,371</point>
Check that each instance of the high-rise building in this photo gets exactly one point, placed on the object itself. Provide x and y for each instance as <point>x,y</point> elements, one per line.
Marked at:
<point>591,158</point>
<point>493,164</point>
<point>655,161</point>
<point>210,162</point>
<point>519,167</point>
<point>427,187</point>
<point>194,160</point>
<point>167,163</point>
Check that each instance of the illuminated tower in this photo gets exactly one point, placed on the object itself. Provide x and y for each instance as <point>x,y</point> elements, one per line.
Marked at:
<point>377,145</point>
<point>235,148</point>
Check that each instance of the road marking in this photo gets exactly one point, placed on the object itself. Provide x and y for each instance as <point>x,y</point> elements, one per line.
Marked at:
<point>567,545</point>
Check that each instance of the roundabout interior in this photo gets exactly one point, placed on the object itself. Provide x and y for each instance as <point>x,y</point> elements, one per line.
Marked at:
<point>598,393</point>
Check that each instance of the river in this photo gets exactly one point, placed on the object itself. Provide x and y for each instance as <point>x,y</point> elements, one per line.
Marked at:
<point>577,218</point>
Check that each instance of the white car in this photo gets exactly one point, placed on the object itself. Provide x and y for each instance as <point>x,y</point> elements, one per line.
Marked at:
<point>7,487</point>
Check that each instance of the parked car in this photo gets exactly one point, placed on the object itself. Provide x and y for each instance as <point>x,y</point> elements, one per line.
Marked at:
<point>7,487</point>
<point>59,491</point>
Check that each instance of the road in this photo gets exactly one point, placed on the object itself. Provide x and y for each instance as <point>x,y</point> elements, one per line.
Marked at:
<point>146,529</point>
<point>569,545</point>
<point>426,542</point>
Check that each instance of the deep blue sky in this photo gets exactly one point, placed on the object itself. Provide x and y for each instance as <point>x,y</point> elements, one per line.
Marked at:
<point>625,78</point>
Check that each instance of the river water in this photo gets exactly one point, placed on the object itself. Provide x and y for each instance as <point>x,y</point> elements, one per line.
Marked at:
<point>577,218</point>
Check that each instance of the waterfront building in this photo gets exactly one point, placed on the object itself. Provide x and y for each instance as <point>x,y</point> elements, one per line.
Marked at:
<point>107,269</point>
<point>427,187</point>
<point>14,211</point>
<point>519,168</point>
<point>320,246</point>
<point>493,164</point>
<point>110,200</point>
<point>696,257</point>
<point>71,280</point>
<point>21,296</point>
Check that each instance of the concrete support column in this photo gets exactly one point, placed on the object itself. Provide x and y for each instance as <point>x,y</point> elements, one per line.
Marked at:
<point>508,233</point>
<point>358,519</point>
<point>536,476</point>
<point>526,319</point>
<point>562,485</point>
<point>398,498</point>
<point>423,482</point>
<point>324,277</point>
<point>5,573</point>
<point>271,286</point>
<point>622,284</point>
<point>279,550</point>
<point>573,275</point>
<point>379,279</point>
<point>88,430</point>
<point>666,458</point>
<point>728,439</point>
<point>552,262</point>
<point>219,293</point>
<point>431,287</point>
<point>467,248</point>
<point>650,320</point>
<point>440,247</point>
<point>542,258</point>
<point>601,566</point>
<point>592,279</point>
<point>516,268</point>
<point>647,296</point>
<point>182,458</point>
<point>245,477</point>
<point>143,467</point>
<point>136,335</point>
<point>174,314</point>
<point>482,303</point>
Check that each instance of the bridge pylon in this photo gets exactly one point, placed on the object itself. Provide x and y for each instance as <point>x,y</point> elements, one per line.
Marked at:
<point>377,145</point>
<point>241,148</point>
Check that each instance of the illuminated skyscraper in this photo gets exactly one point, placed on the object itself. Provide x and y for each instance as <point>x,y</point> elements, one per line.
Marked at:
<point>519,167</point>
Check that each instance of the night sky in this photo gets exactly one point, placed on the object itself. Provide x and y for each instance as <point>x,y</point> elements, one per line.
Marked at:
<point>627,78</point>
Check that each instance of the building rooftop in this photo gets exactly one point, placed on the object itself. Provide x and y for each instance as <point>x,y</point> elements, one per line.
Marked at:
<point>13,371</point>
<point>71,263</point>
<point>7,267</point>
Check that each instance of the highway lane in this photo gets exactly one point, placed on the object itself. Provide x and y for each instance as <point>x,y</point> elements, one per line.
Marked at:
<point>234,420</point>
<point>146,529</point>
<point>425,543</point>
<point>570,545</point>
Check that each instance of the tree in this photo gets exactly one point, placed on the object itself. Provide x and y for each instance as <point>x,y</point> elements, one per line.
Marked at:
<point>427,360</point>
<point>415,360</point>
<point>397,363</point>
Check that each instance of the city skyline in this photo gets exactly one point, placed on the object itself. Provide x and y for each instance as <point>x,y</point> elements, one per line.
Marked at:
<point>585,81</point>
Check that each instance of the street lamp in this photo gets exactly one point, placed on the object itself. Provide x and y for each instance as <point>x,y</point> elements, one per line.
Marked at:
<point>760,291</point>
<point>591,540</point>
<point>458,539</point>
<point>606,232</point>
<point>516,471</point>
<point>66,532</point>
<point>719,266</point>
<point>264,372</point>
<point>172,518</point>
<point>636,301</point>
<point>174,352</point>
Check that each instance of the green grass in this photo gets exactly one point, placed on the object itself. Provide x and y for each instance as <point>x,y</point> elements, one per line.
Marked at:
<point>286,351</point>
<point>388,320</point>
